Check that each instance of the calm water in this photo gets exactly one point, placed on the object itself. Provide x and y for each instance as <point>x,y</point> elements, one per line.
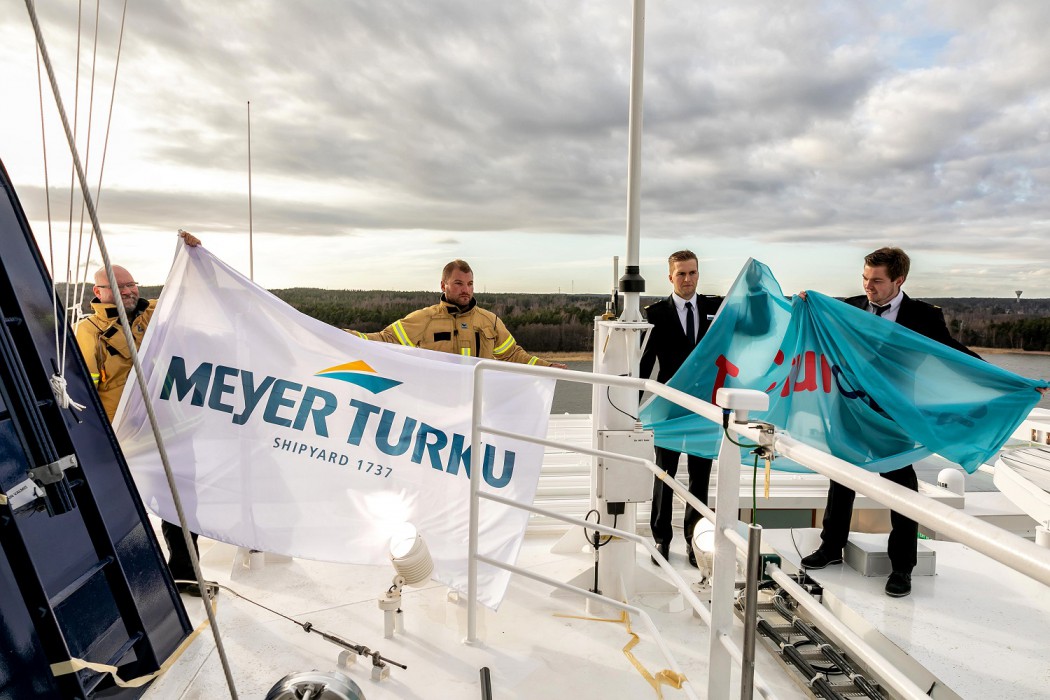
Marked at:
<point>570,397</point>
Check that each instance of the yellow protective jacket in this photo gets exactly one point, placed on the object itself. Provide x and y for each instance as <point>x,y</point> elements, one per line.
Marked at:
<point>445,327</point>
<point>105,349</point>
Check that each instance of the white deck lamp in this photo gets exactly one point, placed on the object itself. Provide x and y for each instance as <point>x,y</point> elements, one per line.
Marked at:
<point>411,560</point>
<point>704,549</point>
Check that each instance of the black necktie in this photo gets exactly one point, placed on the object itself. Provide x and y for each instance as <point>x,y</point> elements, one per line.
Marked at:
<point>690,328</point>
<point>880,310</point>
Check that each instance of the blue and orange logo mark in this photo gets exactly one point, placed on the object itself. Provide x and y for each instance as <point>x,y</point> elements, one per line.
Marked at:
<point>360,373</point>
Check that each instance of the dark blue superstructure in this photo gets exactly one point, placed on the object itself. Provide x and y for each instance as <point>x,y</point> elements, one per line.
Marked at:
<point>81,573</point>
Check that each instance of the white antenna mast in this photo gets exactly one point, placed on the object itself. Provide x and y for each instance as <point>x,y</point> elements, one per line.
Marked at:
<point>251,246</point>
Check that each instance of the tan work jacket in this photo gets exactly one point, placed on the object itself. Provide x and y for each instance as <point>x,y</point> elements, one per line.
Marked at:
<point>445,327</point>
<point>105,349</point>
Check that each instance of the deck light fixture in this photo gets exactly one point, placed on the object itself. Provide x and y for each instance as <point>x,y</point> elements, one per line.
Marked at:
<point>413,564</point>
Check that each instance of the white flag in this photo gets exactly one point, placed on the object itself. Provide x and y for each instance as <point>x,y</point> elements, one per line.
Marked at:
<point>288,435</point>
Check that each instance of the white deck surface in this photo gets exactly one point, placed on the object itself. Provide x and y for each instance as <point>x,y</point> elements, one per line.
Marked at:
<point>977,626</point>
<point>531,653</point>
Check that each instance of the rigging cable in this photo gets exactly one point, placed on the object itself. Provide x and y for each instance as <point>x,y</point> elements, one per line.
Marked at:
<point>122,314</point>
<point>47,201</point>
<point>105,149</point>
<point>70,275</point>
<point>308,627</point>
<point>87,163</point>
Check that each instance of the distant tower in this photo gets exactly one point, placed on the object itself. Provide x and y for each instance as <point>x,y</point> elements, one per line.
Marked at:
<point>1018,293</point>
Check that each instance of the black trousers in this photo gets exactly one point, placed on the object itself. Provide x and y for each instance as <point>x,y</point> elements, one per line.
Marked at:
<point>903,531</point>
<point>179,564</point>
<point>663,496</point>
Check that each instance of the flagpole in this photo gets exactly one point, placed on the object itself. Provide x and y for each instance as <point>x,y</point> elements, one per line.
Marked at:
<point>251,247</point>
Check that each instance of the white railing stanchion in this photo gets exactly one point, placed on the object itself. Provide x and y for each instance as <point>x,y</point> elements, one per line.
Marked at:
<point>723,579</point>
<point>475,504</point>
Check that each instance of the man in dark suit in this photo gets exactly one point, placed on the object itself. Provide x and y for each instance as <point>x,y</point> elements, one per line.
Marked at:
<point>885,271</point>
<point>679,322</point>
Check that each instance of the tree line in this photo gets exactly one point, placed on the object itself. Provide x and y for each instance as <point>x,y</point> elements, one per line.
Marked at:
<point>563,322</point>
<point>999,323</point>
<point>539,322</point>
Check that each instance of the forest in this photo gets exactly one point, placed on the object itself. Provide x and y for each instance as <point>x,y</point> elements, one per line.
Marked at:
<point>563,322</point>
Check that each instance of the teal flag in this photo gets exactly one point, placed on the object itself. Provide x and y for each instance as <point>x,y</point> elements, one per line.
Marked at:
<point>845,381</point>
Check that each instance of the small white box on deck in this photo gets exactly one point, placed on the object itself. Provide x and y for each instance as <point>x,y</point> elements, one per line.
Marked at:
<point>866,554</point>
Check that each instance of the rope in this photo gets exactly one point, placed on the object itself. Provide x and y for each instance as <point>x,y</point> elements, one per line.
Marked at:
<point>72,140</point>
<point>58,382</point>
<point>126,327</point>
<point>87,153</point>
<point>47,200</point>
<point>105,149</point>
<point>59,388</point>
<point>664,677</point>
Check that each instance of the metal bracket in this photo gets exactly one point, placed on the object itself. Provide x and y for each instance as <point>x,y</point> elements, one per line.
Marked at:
<point>766,441</point>
<point>53,472</point>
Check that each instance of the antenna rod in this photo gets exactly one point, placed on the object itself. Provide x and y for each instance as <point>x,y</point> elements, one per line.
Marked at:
<point>251,245</point>
<point>632,284</point>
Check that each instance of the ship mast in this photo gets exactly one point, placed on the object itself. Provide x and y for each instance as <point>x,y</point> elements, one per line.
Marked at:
<point>617,487</point>
<point>632,284</point>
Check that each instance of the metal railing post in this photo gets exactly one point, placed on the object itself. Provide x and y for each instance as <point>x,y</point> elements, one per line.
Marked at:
<point>475,505</point>
<point>754,558</point>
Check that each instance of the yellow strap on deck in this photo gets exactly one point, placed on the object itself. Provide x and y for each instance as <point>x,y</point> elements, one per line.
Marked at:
<point>73,665</point>
<point>664,677</point>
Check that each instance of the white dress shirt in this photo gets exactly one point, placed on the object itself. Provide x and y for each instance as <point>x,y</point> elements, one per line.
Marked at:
<point>890,314</point>
<point>679,304</point>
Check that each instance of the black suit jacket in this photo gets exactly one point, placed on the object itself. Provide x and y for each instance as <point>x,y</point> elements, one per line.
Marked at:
<point>925,319</point>
<point>667,341</point>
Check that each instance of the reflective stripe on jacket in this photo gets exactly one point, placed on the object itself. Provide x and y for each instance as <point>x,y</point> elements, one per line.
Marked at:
<point>445,327</point>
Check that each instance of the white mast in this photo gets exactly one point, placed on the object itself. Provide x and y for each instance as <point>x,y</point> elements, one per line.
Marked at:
<point>617,487</point>
<point>632,284</point>
<point>251,246</point>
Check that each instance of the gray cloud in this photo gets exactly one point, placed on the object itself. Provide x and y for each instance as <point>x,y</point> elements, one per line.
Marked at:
<point>777,122</point>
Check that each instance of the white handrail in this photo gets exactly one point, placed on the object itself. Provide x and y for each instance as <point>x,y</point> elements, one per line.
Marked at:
<point>761,684</point>
<point>1006,548</point>
<point>657,472</point>
<point>718,674</point>
<point>644,616</point>
<point>694,602</point>
<point>1016,553</point>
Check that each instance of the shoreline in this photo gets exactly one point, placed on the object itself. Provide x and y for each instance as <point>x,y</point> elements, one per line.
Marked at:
<point>587,356</point>
<point>1008,351</point>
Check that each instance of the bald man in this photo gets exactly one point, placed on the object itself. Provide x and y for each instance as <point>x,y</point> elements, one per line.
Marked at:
<point>106,353</point>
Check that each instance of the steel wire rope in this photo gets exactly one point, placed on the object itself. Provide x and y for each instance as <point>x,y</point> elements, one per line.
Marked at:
<point>87,168</point>
<point>126,327</point>
<point>72,170</point>
<point>79,297</point>
<point>307,626</point>
<point>47,202</point>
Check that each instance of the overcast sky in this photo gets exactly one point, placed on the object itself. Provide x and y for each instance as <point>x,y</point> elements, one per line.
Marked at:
<point>390,137</point>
